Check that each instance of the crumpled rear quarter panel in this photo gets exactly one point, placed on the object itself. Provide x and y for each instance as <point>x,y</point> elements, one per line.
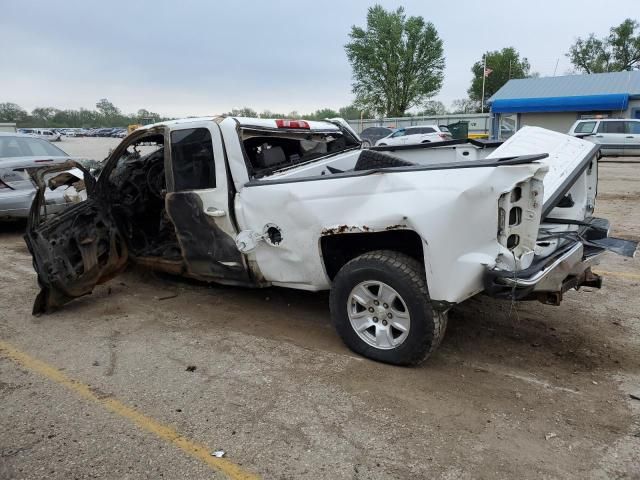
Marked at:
<point>455,212</point>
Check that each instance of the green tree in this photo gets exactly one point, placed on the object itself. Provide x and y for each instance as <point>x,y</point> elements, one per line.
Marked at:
<point>465,105</point>
<point>397,61</point>
<point>242,112</point>
<point>107,109</point>
<point>144,113</point>
<point>352,112</point>
<point>504,64</point>
<point>321,114</point>
<point>44,114</point>
<point>270,114</point>
<point>617,52</point>
<point>590,55</point>
<point>433,107</point>
<point>10,112</point>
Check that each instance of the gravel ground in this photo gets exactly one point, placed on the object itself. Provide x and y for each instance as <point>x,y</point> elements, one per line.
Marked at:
<point>541,392</point>
<point>95,148</point>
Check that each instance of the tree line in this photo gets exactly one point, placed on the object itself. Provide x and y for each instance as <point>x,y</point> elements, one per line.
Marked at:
<point>106,114</point>
<point>349,112</point>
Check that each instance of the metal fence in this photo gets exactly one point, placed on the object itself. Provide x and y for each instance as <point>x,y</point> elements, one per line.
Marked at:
<point>479,123</point>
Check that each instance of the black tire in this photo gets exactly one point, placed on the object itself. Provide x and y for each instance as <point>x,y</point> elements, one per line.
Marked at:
<point>407,277</point>
<point>371,160</point>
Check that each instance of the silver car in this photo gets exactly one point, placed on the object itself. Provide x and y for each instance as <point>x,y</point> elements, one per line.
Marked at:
<point>17,154</point>
<point>616,136</point>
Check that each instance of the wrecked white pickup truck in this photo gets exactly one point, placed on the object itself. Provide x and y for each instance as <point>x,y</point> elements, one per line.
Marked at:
<point>398,234</point>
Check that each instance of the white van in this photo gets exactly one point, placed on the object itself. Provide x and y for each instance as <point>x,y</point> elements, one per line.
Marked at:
<point>617,136</point>
<point>42,133</point>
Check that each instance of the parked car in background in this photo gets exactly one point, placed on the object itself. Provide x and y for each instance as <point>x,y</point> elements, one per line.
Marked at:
<point>616,136</point>
<point>71,132</point>
<point>371,135</point>
<point>416,135</point>
<point>19,152</point>
<point>42,133</point>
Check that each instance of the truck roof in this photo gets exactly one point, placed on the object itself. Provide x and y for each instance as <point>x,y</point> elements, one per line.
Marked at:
<point>251,122</point>
<point>273,123</point>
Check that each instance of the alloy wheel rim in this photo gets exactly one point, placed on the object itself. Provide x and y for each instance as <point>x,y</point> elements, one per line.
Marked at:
<point>378,314</point>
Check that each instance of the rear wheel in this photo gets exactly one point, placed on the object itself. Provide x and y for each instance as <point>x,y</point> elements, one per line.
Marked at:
<point>381,308</point>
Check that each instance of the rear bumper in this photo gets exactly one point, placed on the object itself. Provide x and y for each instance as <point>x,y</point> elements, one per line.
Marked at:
<point>548,278</point>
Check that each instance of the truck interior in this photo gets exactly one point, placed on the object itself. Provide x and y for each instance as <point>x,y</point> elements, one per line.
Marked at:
<point>273,155</point>
<point>269,151</point>
<point>136,187</point>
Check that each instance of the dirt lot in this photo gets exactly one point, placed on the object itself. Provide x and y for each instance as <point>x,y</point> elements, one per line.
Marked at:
<point>95,148</point>
<point>538,392</point>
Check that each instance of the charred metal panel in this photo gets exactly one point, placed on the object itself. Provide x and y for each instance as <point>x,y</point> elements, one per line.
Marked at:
<point>73,252</point>
<point>208,251</point>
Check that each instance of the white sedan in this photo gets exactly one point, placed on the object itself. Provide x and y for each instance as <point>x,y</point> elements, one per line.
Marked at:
<point>416,135</point>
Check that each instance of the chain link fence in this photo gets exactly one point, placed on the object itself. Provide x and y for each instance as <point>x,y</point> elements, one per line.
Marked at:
<point>478,124</point>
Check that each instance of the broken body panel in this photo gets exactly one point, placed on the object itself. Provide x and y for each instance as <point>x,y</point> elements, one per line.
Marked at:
<point>274,196</point>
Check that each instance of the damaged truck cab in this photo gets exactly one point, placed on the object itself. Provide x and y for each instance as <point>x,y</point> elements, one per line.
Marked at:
<point>398,234</point>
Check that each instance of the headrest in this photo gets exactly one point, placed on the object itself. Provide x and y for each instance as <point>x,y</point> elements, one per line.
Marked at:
<point>269,157</point>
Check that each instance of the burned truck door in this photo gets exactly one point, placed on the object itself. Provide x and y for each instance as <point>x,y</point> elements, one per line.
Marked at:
<point>75,250</point>
<point>199,206</point>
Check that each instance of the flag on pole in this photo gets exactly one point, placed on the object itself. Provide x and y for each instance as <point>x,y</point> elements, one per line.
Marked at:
<point>484,78</point>
<point>487,71</point>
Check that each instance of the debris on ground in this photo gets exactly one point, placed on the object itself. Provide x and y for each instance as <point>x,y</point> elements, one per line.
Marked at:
<point>549,436</point>
<point>167,297</point>
<point>218,453</point>
<point>191,368</point>
<point>635,397</point>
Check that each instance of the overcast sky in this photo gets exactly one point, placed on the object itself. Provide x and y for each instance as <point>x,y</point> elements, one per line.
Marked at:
<point>204,57</point>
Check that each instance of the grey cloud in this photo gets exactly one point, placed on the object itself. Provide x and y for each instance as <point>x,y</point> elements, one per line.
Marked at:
<point>204,57</point>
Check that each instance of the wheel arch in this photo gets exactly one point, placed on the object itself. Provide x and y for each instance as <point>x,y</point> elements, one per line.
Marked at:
<point>342,244</point>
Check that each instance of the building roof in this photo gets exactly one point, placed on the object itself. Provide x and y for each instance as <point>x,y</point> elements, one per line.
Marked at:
<point>597,91</point>
<point>571,85</point>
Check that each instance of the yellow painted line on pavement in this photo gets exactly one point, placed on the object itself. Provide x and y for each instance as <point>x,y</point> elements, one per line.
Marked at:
<point>631,276</point>
<point>168,434</point>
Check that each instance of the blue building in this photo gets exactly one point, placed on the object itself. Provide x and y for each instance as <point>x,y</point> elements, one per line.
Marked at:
<point>557,102</point>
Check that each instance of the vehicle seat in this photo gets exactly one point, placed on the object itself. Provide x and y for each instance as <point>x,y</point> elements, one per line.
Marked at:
<point>269,157</point>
